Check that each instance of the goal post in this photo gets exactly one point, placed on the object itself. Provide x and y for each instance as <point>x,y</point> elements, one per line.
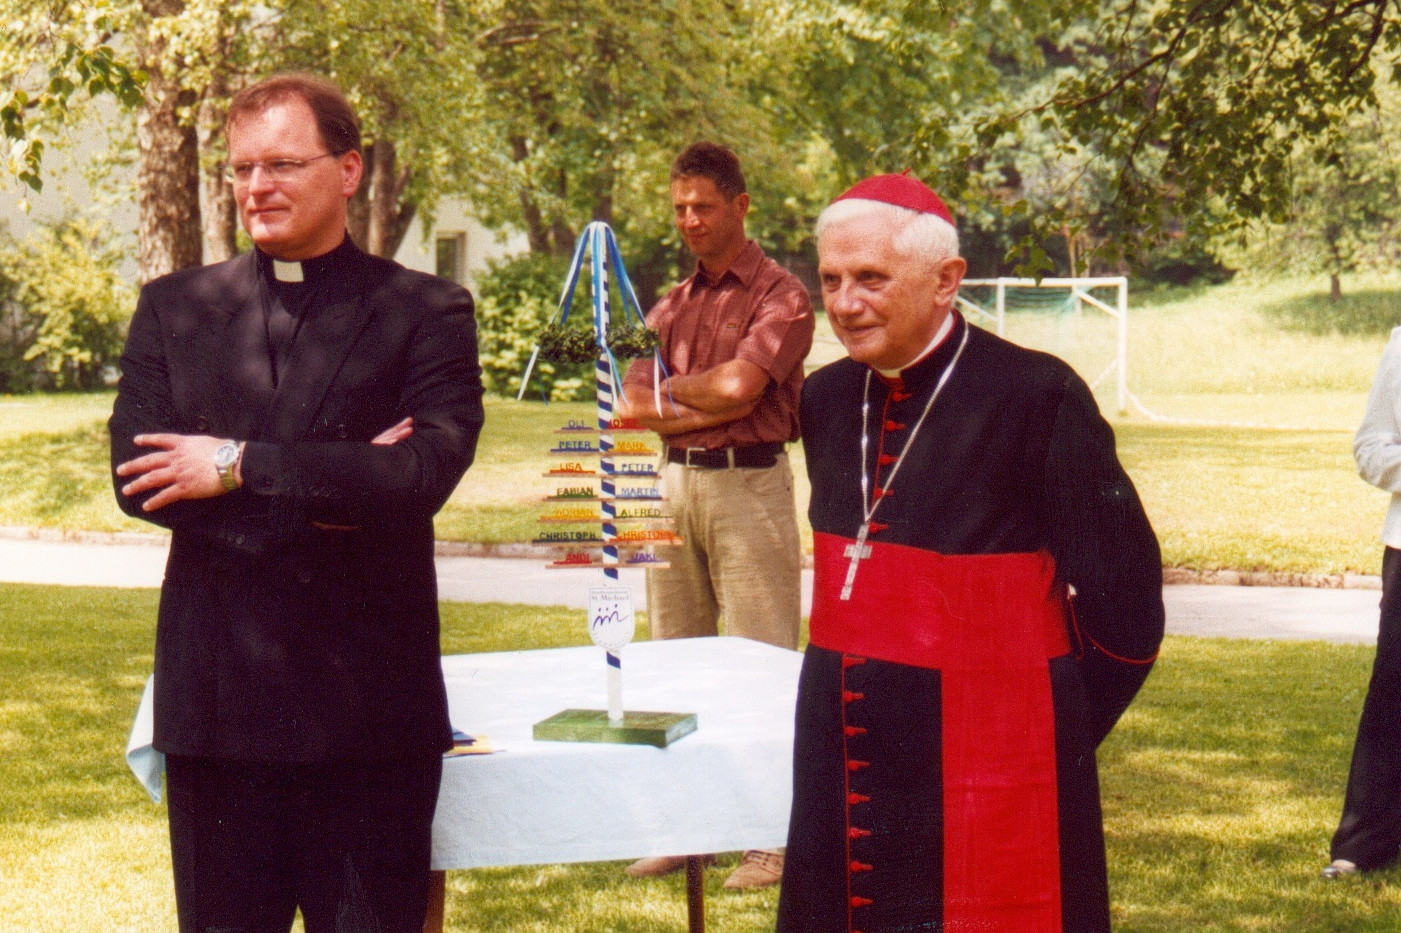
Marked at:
<point>1078,293</point>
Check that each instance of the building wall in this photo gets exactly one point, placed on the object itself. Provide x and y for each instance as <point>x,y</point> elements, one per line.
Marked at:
<point>457,246</point>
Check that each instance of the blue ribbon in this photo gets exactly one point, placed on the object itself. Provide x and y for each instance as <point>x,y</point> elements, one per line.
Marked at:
<point>597,240</point>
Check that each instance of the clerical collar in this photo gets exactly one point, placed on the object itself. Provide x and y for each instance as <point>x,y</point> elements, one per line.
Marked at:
<point>944,330</point>
<point>286,272</point>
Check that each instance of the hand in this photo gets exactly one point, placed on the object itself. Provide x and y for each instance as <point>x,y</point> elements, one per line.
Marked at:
<point>395,434</point>
<point>182,468</point>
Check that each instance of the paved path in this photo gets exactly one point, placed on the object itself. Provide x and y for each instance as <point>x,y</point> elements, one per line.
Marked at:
<point>1341,615</point>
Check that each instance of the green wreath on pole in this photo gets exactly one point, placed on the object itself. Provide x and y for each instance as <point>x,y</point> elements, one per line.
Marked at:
<point>562,344</point>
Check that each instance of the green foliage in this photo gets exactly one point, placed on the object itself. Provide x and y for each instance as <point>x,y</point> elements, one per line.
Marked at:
<point>1196,108</point>
<point>79,60</point>
<point>569,344</point>
<point>589,102</point>
<point>410,69</point>
<point>64,310</point>
<point>517,310</point>
<point>1341,216</point>
<point>518,298</point>
<point>1181,261</point>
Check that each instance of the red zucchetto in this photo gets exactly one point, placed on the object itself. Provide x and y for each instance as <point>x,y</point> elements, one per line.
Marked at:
<point>902,191</point>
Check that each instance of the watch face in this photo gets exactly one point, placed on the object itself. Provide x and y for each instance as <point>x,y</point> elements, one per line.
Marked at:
<point>226,455</point>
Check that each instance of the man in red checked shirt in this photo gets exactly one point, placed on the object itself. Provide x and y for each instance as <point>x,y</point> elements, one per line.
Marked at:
<point>953,692</point>
<point>733,338</point>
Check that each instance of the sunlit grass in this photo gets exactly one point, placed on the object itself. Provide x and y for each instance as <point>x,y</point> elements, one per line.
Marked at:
<point>52,414</point>
<point>1255,499</point>
<point>1223,784</point>
<point>1222,491</point>
<point>1221,787</point>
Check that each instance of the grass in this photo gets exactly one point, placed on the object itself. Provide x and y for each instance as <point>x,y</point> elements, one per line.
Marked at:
<point>1221,787</point>
<point>1255,499</point>
<point>1238,492</point>
<point>1373,310</point>
<point>1222,783</point>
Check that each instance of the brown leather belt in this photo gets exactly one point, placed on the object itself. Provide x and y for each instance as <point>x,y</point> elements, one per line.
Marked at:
<point>750,456</point>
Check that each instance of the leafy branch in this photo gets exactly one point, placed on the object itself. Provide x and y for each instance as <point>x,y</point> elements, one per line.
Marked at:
<point>94,70</point>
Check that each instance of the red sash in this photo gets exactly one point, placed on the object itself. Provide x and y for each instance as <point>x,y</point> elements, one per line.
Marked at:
<point>988,624</point>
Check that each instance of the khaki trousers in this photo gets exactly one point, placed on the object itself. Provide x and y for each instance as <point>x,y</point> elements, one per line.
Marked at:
<point>740,559</point>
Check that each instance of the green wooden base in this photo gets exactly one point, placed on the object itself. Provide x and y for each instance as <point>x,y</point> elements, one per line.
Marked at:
<point>638,728</point>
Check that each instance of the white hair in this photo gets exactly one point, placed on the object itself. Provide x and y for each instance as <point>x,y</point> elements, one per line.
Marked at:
<point>918,235</point>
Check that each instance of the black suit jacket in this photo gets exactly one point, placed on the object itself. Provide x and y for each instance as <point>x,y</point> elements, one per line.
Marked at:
<point>278,640</point>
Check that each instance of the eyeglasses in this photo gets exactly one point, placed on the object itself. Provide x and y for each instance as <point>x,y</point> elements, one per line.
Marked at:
<point>274,170</point>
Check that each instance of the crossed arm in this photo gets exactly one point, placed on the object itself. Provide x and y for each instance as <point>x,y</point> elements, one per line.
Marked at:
<point>182,466</point>
<point>164,471</point>
<point>694,401</point>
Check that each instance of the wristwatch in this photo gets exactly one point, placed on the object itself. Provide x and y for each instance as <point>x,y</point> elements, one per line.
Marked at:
<point>225,459</point>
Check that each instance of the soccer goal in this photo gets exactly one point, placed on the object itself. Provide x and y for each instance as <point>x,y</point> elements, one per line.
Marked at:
<point>1050,314</point>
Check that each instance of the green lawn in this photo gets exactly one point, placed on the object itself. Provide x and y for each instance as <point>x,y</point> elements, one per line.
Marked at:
<point>1221,787</point>
<point>1280,374</point>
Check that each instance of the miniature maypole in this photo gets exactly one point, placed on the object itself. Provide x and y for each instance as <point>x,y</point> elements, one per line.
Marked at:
<point>611,618</point>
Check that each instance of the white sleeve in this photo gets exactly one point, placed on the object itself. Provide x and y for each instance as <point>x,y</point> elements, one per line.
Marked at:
<point>1377,444</point>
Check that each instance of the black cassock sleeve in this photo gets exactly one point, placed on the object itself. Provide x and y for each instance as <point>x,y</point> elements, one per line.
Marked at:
<point>1106,550</point>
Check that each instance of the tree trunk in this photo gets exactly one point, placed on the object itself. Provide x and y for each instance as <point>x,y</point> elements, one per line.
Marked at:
<point>389,218</point>
<point>167,175</point>
<point>1335,287</point>
<point>561,233</point>
<point>167,182</point>
<point>357,215</point>
<point>535,231</point>
<point>218,208</point>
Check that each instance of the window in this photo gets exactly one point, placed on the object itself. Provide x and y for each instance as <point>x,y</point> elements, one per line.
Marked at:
<point>451,260</point>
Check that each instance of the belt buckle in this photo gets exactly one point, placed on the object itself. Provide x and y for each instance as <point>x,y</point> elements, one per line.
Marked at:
<point>688,464</point>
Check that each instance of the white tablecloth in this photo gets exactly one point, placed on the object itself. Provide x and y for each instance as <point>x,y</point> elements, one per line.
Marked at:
<point>726,786</point>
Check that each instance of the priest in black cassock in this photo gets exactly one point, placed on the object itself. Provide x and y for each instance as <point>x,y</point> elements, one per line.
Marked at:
<point>296,416</point>
<point>988,600</point>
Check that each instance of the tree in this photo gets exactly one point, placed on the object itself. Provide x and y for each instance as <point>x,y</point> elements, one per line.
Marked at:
<point>409,69</point>
<point>183,53</point>
<point>1341,216</point>
<point>1196,106</point>
<point>926,87</point>
<point>394,61</point>
<point>79,61</point>
<point>590,101</point>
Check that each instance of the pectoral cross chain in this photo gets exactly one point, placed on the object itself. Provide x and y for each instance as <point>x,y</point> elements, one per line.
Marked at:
<point>861,550</point>
<point>857,552</point>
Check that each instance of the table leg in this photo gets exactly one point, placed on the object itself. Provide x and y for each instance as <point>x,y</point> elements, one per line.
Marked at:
<point>695,893</point>
<point>437,894</point>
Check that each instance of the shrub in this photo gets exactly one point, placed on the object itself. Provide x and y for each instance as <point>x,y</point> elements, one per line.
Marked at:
<point>517,300</point>
<point>63,310</point>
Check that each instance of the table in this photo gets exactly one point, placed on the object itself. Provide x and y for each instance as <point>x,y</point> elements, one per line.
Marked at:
<point>727,786</point>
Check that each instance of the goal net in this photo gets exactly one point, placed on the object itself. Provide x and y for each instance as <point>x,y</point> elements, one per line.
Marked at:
<point>1084,321</point>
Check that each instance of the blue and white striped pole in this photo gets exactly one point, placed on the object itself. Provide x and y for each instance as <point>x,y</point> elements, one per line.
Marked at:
<point>603,372</point>
<point>604,382</point>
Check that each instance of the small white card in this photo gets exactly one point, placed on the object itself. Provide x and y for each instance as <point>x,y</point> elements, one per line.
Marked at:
<point>611,620</point>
